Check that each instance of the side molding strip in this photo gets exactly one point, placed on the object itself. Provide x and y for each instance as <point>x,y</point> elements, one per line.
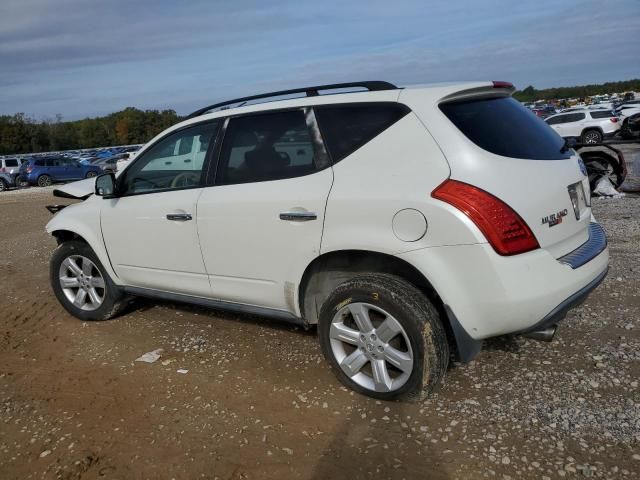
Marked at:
<point>216,304</point>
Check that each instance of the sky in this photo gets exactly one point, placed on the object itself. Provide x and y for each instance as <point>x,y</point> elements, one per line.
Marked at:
<point>84,58</point>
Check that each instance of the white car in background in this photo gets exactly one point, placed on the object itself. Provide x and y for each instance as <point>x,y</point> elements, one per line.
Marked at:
<point>400,221</point>
<point>589,126</point>
<point>125,160</point>
<point>625,111</point>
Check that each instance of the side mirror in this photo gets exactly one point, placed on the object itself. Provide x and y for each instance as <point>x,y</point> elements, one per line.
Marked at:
<point>105,185</point>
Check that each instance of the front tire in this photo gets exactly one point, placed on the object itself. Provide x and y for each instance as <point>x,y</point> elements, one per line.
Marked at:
<point>383,338</point>
<point>591,137</point>
<point>81,284</point>
<point>44,181</point>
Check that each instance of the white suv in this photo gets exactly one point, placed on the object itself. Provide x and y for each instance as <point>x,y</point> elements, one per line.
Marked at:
<point>590,126</point>
<point>404,222</point>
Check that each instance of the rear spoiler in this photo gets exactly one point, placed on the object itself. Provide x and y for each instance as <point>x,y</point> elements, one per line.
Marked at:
<point>497,88</point>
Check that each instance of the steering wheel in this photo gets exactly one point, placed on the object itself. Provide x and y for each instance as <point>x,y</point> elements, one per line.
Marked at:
<point>185,179</point>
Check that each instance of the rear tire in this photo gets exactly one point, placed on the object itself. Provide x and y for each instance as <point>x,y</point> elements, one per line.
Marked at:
<point>591,137</point>
<point>397,349</point>
<point>91,174</point>
<point>3,185</point>
<point>82,285</point>
<point>44,181</point>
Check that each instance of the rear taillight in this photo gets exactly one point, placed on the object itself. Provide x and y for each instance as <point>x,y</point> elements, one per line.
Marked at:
<point>29,169</point>
<point>507,233</point>
<point>614,119</point>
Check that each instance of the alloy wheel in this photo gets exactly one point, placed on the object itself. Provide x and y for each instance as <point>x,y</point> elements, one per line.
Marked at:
<point>371,347</point>
<point>591,137</point>
<point>44,181</point>
<point>82,283</point>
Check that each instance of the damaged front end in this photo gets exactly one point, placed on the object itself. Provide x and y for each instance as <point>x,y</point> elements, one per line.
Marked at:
<point>80,190</point>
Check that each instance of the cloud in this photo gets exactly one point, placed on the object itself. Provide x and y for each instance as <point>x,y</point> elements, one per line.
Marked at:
<point>80,58</point>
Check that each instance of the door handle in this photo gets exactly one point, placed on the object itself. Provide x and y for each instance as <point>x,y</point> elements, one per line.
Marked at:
<point>298,216</point>
<point>179,217</point>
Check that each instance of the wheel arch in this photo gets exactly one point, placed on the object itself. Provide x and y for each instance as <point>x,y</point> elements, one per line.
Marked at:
<point>588,129</point>
<point>330,269</point>
<point>65,228</point>
<point>62,236</point>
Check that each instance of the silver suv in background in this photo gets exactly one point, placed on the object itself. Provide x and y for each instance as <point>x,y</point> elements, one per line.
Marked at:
<point>590,126</point>
<point>10,170</point>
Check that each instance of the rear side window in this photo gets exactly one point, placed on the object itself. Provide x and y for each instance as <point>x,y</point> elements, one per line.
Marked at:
<point>601,114</point>
<point>11,162</point>
<point>504,127</point>
<point>346,128</point>
<point>39,163</point>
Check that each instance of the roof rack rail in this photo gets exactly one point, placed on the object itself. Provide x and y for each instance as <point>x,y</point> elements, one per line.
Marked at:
<point>374,85</point>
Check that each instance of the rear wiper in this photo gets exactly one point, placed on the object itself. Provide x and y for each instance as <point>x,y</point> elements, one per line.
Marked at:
<point>569,143</point>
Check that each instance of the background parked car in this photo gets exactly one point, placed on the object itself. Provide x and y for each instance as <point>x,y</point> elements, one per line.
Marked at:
<point>107,164</point>
<point>6,181</point>
<point>590,126</point>
<point>125,160</point>
<point>11,167</point>
<point>630,126</point>
<point>48,170</point>
<point>544,112</point>
<point>627,110</point>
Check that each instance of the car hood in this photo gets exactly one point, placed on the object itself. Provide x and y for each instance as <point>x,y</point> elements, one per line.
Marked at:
<point>82,189</point>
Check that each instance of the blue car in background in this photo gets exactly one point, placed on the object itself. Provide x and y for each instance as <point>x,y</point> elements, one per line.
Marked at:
<point>45,171</point>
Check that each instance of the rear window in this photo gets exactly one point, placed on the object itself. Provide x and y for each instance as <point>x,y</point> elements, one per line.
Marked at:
<point>601,114</point>
<point>504,127</point>
<point>346,128</point>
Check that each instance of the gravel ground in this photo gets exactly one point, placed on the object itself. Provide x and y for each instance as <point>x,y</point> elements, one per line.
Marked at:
<point>258,400</point>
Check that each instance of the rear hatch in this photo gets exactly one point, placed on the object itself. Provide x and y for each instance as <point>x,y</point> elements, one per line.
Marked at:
<point>494,143</point>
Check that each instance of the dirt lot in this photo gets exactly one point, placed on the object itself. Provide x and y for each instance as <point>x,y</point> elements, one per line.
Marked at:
<point>258,400</point>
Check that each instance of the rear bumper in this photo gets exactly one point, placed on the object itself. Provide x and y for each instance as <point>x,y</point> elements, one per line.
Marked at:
<point>487,295</point>
<point>560,312</point>
<point>29,178</point>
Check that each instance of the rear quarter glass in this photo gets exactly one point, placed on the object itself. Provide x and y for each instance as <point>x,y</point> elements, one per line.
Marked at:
<point>503,126</point>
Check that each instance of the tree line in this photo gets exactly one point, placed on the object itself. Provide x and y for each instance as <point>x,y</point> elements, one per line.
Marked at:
<point>531,94</point>
<point>21,134</point>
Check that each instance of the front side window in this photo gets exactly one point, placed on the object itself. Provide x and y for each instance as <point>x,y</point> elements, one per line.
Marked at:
<point>69,162</point>
<point>175,162</point>
<point>268,146</point>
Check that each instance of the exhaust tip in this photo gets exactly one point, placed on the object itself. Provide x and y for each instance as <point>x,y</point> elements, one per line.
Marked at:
<point>544,335</point>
